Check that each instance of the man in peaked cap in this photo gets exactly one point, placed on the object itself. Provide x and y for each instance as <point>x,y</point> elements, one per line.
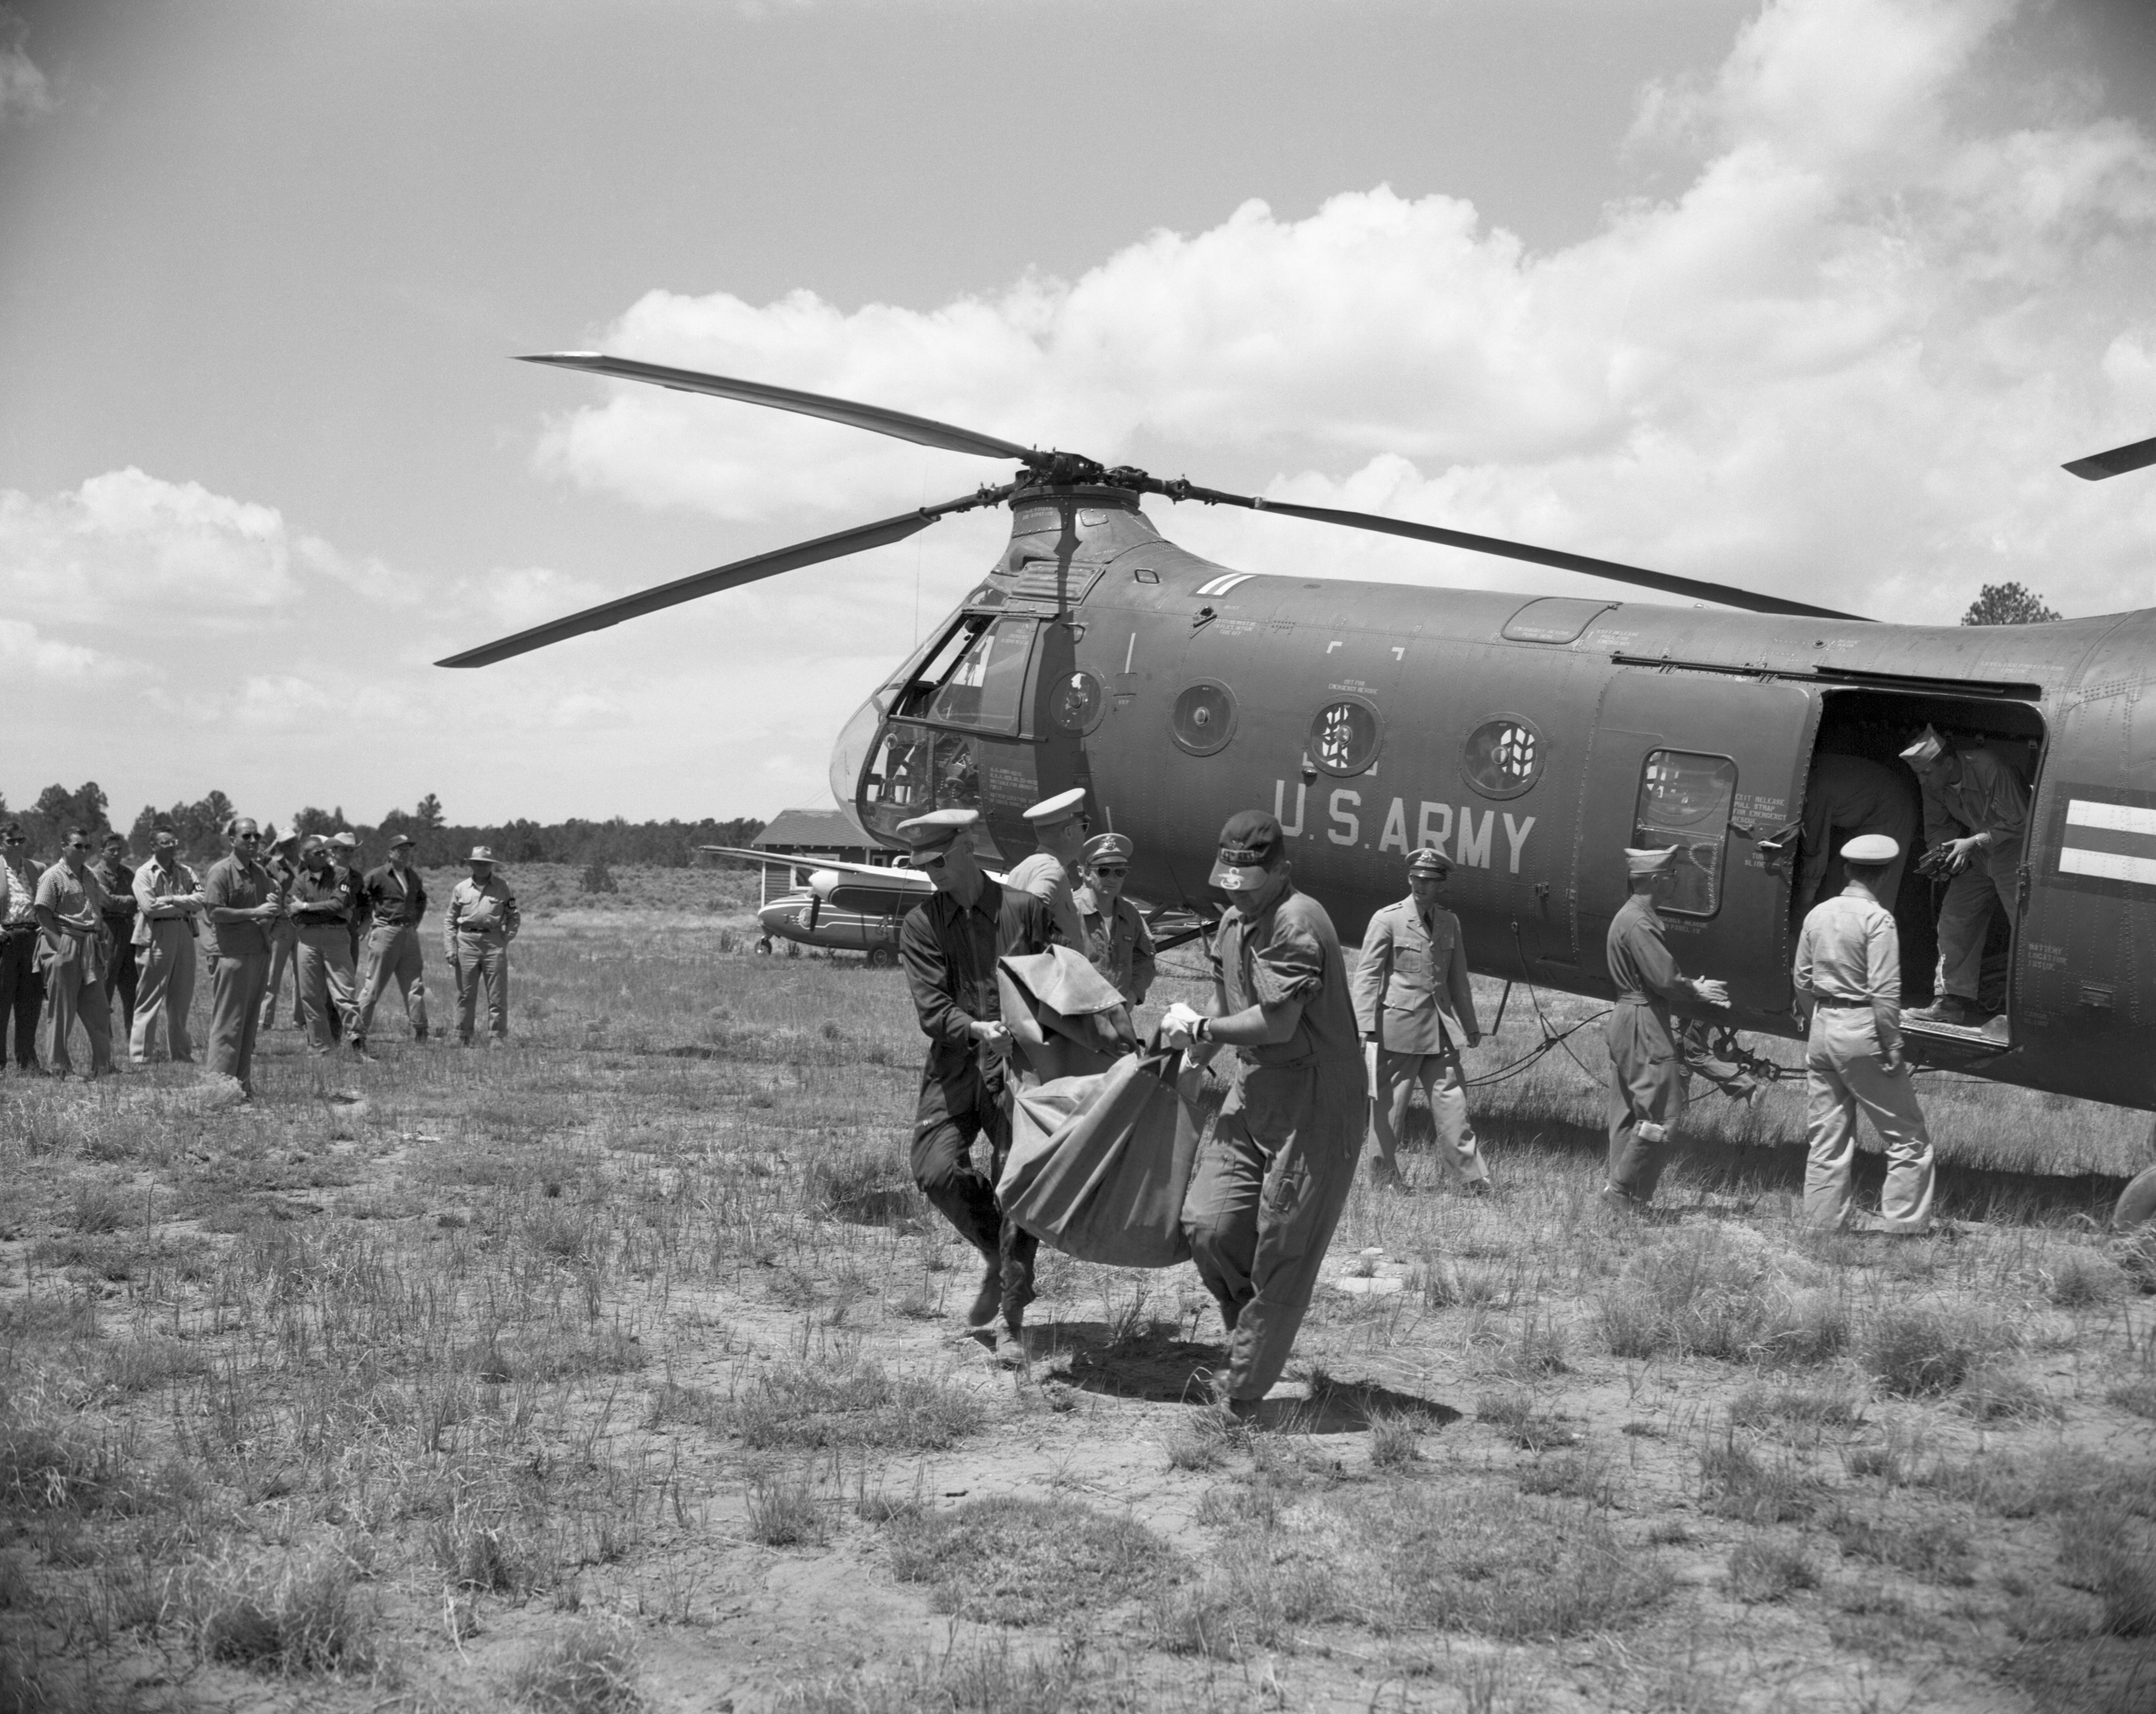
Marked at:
<point>1416,1007</point>
<point>1976,818</point>
<point>1268,1183</point>
<point>344,852</point>
<point>1646,1079</point>
<point>949,946</point>
<point>1059,826</point>
<point>483,919</point>
<point>1849,971</point>
<point>1117,939</point>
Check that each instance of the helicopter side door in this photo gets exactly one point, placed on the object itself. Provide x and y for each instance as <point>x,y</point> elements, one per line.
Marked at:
<point>1712,764</point>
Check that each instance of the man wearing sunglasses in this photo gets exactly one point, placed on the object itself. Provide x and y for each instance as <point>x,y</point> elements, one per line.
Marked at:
<point>1117,940</point>
<point>245,903</point>
<point>21,989</point>
<point>75,957</point>
<point>949,945</point>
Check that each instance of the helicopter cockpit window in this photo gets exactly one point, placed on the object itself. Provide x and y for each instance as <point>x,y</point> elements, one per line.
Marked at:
<point>985,691</point>
<point>1685,802</point>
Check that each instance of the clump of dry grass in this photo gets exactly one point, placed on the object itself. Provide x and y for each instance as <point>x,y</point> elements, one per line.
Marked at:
<point>1715,1292</point>
<point>1934,1549</point>
<point>865,1182</point>
<point>1011,1561</point>
<point>2114,1559</point>
<point>2084,1278</point>
<point>590,1667</point>
<point>288,1613</point>
<point>1766,1568</point>
<point>1914,1351</point>
<point>851,1401</point>
<point>989,1678</point>
<point>1735,1481</point>
<point>786,1510</point>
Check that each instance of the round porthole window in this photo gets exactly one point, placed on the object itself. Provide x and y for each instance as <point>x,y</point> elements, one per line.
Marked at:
<point>1344,736</point>
<point>1076,704</point>
<point>1503,755</point>
<point>1204,718</point>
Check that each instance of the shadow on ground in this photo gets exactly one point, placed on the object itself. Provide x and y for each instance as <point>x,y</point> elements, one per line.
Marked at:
<point>1164,1370</point>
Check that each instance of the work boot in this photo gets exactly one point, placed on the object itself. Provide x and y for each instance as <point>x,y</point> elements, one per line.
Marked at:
<point>1617,1202</point>
<point>1954,1011</point>
<point>420,1034</point>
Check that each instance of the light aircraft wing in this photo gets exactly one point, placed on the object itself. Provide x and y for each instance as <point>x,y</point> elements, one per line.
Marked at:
<point>899,880</point>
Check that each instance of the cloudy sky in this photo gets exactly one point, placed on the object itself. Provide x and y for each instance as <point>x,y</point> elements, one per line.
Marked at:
<point>1810,296</point>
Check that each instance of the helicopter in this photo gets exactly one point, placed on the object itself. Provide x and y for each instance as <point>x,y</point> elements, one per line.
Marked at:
<point>1528,737</point>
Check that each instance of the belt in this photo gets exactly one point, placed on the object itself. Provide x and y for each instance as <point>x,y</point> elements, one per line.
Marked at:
<point>1837,1003</point>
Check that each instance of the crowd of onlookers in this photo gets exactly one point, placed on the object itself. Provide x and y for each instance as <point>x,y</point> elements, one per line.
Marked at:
<point>88,932</point>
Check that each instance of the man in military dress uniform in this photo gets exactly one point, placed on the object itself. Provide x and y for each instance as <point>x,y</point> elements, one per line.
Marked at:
<point>1059,826</point>
<point>483,919</point>
<point>949,946</point>
<point>1848,971</point>
<point>1976,818</point>
<point>1268,1183</point>
<point>1117,940</point>
<point>118,881</point>
<point>1646,1079</point>
<point>1415,1007</point>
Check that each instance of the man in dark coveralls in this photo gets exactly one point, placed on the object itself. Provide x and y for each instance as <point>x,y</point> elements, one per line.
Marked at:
<point>949,945</point>
<point>1268,1186</point>
<point>1646,1079</point>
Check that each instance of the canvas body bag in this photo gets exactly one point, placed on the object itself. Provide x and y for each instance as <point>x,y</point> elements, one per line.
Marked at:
<point>1065,1018</point>
<point>1098,1165</point>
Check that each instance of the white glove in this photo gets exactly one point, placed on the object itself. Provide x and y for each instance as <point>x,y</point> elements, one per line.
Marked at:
<point>1180,1025</point>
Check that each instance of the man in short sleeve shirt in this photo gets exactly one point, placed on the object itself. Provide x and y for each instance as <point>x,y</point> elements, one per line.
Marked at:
<point>245,904</point>
<point>118,879</point>
<point>75,955</point>
<point>1060,825</point>
<point>169,899</point>
<point>483,919</point>
<point>22,987</point>
<point>1269,1182</point>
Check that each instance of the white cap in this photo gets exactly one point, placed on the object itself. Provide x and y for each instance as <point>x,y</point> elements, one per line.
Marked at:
<point>1870,848</point>
<point>1060,808</point>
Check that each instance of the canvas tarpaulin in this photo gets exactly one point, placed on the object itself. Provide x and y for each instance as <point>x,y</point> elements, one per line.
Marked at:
<point>1067,1020</point>
<point>1099,1165</point>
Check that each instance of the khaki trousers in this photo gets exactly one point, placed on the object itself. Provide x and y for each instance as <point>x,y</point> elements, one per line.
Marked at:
<point>68,999</point>
<point>1842,1074</point>
<point>284,948</point>
<point>235,1012</point>
<point>1965,917</point>
<point>322,967</point>
<point>1259,1222</point>
<point>165,990</point>
<point>481,959</point>
<point>393,954</point>
<point>1445,1087</point>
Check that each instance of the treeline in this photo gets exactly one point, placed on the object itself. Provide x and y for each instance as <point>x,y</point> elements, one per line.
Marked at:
<point>438,841</point>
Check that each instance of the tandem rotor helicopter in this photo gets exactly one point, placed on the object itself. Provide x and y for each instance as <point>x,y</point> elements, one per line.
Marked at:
<point>1529,737</point>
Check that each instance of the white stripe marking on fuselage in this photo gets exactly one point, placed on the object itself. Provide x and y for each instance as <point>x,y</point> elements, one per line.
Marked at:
<point>2112,817</point>
<point>1221,586</point>
<point>2107,865</point>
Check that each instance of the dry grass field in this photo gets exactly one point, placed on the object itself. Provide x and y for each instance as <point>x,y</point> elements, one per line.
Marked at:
<point>616,1371</point>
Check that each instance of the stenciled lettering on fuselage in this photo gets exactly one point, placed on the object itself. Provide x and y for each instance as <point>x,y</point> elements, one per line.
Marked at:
<point>1473,836</point>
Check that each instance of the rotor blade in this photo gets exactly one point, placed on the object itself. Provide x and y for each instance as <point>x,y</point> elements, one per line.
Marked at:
<point>857,539</point>
<point>922,431</point>
<point>1691,589</point>
<point>2115,463</point>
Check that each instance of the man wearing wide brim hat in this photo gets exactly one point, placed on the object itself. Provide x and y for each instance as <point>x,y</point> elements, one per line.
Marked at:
<point>949,946</point>
<point>482,921</point>
<point>1849,973</point>
<point>1059,826</point>
<point>1415,1007</point>
<point>1117,940</point>
<point>1647,1078</point>
<point>396,901</point>
<point>1976,820</point>
<point>1270,1182</point>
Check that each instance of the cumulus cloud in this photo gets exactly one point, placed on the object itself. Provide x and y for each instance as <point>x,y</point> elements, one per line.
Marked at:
<point>30,658</point>
<point>1847,356</point>
<point>24,93</point>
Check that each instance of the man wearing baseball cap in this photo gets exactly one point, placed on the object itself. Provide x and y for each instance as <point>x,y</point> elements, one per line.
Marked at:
<point>168,900</point>
<point>949,946</point>
<point>1849,971</point>
<point>1268,1183</point>
<point>1976,819</point>
<point>1647,1078</point>
<point>483,919</point>
<point>1060,825</point>
<point>1117,940</point>
<point>1416,1008</point>
<point>395,898</point>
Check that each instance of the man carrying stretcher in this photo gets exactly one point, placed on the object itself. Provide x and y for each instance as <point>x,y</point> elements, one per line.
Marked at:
<point>1268,1183</point>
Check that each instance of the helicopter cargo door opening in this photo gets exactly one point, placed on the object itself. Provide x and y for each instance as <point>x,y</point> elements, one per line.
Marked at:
<point>1712,764</point>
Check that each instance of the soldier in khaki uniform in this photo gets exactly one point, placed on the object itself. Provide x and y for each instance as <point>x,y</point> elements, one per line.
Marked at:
<point>1848,971</point>
<point>1415,1007</point>
<point>1060,825</point>
<point>1647,1078</point>
<point>245,902</point>
<point>169,899</point>
<point>74,956</point>
<point>1268,1183</point>
<point>1117,941</point>
<point>483,919</point>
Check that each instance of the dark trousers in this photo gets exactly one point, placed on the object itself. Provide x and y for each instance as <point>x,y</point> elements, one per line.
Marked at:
<point>122,975</point>
<point>1646,1087</point>
<point>954,1112</point>
<point>21,995</point>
